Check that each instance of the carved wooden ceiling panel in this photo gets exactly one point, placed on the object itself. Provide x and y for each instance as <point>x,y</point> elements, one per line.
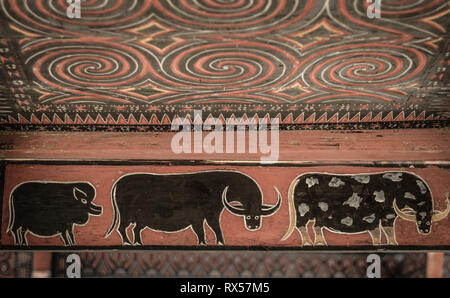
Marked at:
<point>142,64</point>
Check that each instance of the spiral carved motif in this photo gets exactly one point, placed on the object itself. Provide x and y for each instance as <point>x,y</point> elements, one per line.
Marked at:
<point>227,65</point>
<point>351,69</point>
<point>236,16</point>
<point>49,16</point>
<point>225,51</point>
<point>83,68</point>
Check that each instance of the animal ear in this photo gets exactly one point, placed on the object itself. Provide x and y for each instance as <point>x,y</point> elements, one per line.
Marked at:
<point>78,193</point>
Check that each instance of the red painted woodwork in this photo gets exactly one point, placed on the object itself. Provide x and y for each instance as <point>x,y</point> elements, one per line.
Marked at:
<point>423,152</point>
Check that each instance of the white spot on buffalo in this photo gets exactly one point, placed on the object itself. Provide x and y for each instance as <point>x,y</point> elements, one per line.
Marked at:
<point>336,182</point>
<point>409,195</point>
<point>362,178</point>
<point>423,188</point>
<point>379,196</point>
<point>347,221</point>
<point>323,206</point>
<point>353,201</point>
<point>407,207</point>
<point>422,214</point>
<point>390,216</point>
<point>369,218</point>
<point>303,209</point>
<point>396,177</point>
<point>311,181</point>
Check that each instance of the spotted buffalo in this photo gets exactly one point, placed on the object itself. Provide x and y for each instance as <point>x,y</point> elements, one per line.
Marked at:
<point>358,203</point>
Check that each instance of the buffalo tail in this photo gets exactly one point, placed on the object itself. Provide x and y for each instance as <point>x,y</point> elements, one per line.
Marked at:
<point>292,214</point>
<point>116,210</point>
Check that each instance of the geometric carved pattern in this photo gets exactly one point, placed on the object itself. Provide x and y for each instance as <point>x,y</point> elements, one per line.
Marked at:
<point>322,57</point>
<point>161,119</point>
<point>240,264</point>
<point>223,264</point>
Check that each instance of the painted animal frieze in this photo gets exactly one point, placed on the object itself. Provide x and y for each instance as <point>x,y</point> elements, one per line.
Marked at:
<point>151,205</point>
<point>49,209</point>
<point>360,203</point>
<point>175,202</point>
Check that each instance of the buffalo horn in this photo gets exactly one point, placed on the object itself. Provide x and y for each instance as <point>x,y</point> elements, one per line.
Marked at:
<point>232,209</point>
<point>440,215</point>
<point>405,216</point>
<point>267,210</point>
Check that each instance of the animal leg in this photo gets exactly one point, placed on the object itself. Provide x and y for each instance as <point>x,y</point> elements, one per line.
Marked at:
<point>319,239</point>
<point>122,230</point>
<point>137,234</point>
<point>23,237</point>
<point>390,235</point>
<point>70,236</point>
<point>198,230</point>
<point>376,237</point>
<point>17,237</point>
<point>215,226</point>
<point>305,236</point>
<point>65,238</point>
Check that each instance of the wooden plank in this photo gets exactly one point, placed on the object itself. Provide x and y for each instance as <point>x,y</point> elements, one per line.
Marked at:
<point>187,200</point>
<point>431,145</point>
<point>342,183</point>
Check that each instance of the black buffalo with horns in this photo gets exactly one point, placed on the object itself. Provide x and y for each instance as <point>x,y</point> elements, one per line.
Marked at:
<point>175,202</point>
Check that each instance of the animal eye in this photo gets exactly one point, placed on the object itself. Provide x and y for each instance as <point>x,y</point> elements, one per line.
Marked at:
<point>83,201</point>
<point>248,216</point>
<point>256,217</point>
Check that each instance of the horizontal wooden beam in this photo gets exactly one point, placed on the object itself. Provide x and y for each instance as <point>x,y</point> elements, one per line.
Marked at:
<point>329,191</point>
<point>296,146</point>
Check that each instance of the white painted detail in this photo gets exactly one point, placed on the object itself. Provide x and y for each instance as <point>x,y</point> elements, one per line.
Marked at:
<point>323,206</point>
<point>379,196</point>
<point>369,218</point>
<point>396,177</point>
<point>348,221</point>
<point>409,195</point>
<point>353,201</point>
<point>311,181</point>
<point>362,178</point>
<point>336,182</point>
<point>423,188</point>
<point>303,209</point>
